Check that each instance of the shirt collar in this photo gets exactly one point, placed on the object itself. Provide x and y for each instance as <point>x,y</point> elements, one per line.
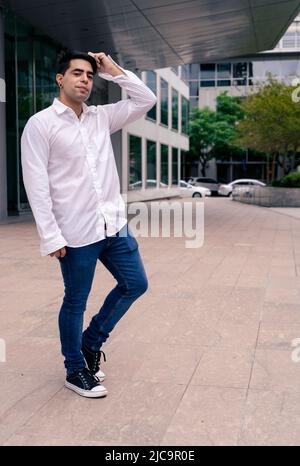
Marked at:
<point>60,107</point>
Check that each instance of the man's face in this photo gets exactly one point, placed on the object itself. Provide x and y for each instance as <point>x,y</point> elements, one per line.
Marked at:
<point>77,82</point>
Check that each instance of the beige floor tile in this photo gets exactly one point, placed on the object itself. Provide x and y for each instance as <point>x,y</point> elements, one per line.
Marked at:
<point>154,406</point>
<point>224,367</point>
<point>206,416</point>
<point>274,369</point>
<point>271,419</point>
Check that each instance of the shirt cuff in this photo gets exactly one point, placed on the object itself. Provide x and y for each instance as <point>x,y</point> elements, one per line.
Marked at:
<point>48,248</point>
<point>108,76</point>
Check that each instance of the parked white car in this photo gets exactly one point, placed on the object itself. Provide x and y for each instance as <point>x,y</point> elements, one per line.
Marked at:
<point>226,189</point>
<point>208,183</point>
<point>149,184</point>
<point>187,190</point>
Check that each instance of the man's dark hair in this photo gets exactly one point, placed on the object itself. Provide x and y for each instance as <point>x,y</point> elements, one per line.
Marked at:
<point>66,55</point>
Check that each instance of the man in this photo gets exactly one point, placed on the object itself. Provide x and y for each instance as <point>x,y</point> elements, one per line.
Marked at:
<point>73,188</point>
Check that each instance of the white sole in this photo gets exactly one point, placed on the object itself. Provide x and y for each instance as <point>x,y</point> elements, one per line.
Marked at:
<point>86,393</point>
<point>101,377</point>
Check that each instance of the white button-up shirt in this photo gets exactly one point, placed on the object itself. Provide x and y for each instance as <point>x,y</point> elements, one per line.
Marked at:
<point>69,169</point>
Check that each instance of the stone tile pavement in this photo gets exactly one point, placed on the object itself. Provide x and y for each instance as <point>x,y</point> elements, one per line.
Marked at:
<point>203,358</point>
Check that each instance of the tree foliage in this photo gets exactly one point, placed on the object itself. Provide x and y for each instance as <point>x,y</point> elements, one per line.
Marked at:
<point>212,132</point>
<point>271,124</point>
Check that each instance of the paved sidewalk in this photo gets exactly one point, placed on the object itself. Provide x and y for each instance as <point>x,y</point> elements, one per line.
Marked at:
<point>203,358</point>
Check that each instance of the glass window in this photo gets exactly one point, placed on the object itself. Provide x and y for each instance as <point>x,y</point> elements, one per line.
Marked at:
<point>184,72</point>
<point>223,70</point>
<point>224,82</point>
<point>250,67</point>
<point>151,83</point>
<point>289,40</point>
<point>184,115</point>
<point>174,109</point>
<point>25,92</point>
<point>164,177</point>
<point>240,72</point>
<point>194,88</point>
<point>135,162</point>
<point>45,64</point>
<point>194,71</point>
<point>164,102</point>
<point>175,166</point>
<point>151,163</point>
<point>207,83</point>
<point>208,70</point>
<point>11,117</point>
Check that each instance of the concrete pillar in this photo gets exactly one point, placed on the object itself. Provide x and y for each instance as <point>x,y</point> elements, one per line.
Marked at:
<point>3,177</point>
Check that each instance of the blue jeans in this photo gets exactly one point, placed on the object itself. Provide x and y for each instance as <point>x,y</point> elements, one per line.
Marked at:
<point>120,255</point>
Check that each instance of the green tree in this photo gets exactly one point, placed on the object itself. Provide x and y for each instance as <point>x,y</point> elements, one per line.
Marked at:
<point>229,112</point>
<point>271,124</point>
<point>201,133</point>
<point>212,133</point>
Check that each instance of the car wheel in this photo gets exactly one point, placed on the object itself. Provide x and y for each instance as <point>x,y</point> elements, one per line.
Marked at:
<point>230,194</point>
<point>197,195</point>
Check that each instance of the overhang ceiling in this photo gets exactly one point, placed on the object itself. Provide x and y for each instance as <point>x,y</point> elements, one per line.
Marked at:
<point>142,34</point>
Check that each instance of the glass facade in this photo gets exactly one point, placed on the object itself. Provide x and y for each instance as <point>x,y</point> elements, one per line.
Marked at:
<point>135,162</point>
<point>184,115</point>
<point>151,162</point>
<point>175,166</point>
<point>30,69</point>
<point>151,82</point>
<point>244,73</point>
<point>174,109</point>
<point>164,102</point>
<point>164,166</point>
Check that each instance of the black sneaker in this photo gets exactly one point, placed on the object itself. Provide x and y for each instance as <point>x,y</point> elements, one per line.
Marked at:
<point>92,359</point>
<point>85,384</point>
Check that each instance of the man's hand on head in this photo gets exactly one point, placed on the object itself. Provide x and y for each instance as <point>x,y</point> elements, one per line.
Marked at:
<point>59,253</point>
<point>105,65</point>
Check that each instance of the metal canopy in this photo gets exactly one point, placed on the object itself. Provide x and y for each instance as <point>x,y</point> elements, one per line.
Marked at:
<point>142,34</point>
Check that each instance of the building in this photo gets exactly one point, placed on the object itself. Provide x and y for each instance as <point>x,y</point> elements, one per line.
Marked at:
<point>238,77</point>
<point>140,36</point>
<point>153,146</point>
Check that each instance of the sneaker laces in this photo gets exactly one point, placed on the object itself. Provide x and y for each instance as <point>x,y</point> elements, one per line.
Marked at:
<point>96,362</point>
<point>88,379</point>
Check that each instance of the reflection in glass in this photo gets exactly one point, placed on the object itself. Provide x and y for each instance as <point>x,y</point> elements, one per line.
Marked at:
<point>207,70</point>
<point>175,166</point>
<point>46,87</point>
<point>164,163</point>
<point>224,82</point>
<point>135,162</point>
<point>223,70</point>
<point>163,102</point>
<point>151,163</point>
<point>184,115</point>
<point>174,109</point>
<point>207,83</point>
<point>151,83</point>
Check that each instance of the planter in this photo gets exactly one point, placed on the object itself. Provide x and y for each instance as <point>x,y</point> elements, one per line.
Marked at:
<point>267,196</point>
